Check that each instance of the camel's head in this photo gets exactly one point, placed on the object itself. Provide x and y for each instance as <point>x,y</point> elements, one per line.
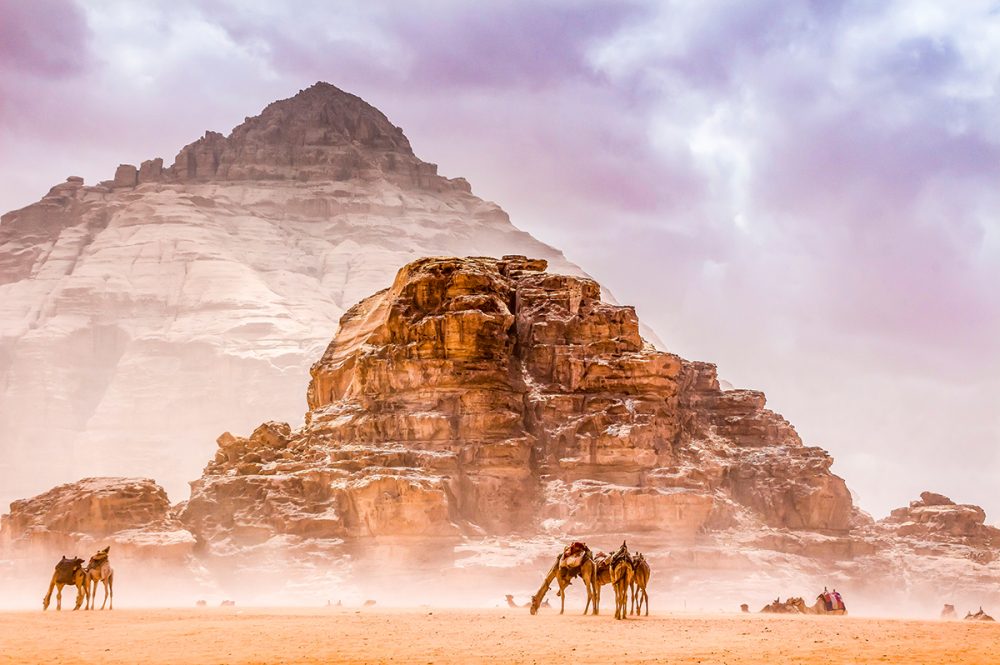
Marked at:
<point>509,597</point>
<point>796,602</point>
<point>536,601</point>
<point>99,558</point>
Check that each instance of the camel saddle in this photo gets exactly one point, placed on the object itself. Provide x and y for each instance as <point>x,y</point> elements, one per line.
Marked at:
<point>574,555</point>
<point>66,570</point>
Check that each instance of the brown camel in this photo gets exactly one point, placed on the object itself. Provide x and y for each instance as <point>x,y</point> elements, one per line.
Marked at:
<point>68,571</point>
<point>511,603</point>
<point>820,607</point>
<point>790,606</point>
<point>621,579</point>
<point>978,616</point>
<point>640,578</point>
<point>575,561</point>
<point>602,576</point>
<point>99,570</point>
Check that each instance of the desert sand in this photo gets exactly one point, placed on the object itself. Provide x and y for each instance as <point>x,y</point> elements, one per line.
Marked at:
<point>373,635</point>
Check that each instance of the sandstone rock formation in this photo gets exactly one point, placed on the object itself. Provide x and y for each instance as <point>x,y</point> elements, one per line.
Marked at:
<point>132,514</point>
<point>481,396</point>
<point>937,518</point>
<point>477,413</point>
<point>140,316</point>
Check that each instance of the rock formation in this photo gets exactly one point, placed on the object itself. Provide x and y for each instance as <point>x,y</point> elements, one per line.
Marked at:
<point>133,514</point>
<point>480,411</point>
<point>140,316</point>
<point>481,396</point>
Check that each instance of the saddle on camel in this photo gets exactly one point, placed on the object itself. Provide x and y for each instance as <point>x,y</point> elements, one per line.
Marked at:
<point>67,571</point>
<point>833,601</point>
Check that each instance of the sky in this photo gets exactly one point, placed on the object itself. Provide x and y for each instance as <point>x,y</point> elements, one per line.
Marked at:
<point>805,193</point>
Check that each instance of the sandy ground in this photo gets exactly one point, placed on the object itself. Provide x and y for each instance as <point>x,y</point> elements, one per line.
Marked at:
<point>235,635</point>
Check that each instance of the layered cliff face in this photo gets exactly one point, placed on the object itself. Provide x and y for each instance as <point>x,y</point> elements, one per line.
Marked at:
<point>481,396</point>
<point>140,316</point>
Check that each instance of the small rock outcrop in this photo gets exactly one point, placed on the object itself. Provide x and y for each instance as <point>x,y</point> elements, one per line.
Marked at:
<point>131,513</point>
<point>935,517</point>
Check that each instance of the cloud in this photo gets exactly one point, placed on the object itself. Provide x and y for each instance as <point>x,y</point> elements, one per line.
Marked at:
<point>804,192</point>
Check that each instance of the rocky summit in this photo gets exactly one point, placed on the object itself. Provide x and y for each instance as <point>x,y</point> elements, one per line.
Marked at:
<point>141,315</point>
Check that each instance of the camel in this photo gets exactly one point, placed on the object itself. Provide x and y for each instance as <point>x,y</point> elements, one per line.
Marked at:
<point>948,612</point>
<point>820,607</point>
<point>621,573</point>
<point>99,570</point>
<point>790,606</point>
<point>978,616</point>
<point>68,571</point>
<point>511,603</point>
<point>640,578</point>
<point>602,576</point>
<point>575,561</point>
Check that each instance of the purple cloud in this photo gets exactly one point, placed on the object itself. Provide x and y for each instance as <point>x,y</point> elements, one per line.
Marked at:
<point>802,191</point>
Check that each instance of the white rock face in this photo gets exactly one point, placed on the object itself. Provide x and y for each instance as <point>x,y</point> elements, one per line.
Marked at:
<point>139,321</point>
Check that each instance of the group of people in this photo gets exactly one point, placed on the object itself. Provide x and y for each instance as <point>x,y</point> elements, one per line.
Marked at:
<point>85,579</point>
<point>627,573</point>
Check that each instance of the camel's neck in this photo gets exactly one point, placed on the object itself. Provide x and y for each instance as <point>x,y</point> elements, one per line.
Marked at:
<point>542,590</point>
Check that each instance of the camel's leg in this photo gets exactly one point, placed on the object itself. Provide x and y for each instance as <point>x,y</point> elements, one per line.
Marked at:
<point>48,596</point>
<point>81,594</point>
<point>111,590</point>
<point>59,596</point>
<point>562,597</point>
<point>645,596</point>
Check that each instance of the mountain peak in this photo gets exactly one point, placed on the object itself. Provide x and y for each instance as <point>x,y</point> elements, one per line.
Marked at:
<point>321,133</point>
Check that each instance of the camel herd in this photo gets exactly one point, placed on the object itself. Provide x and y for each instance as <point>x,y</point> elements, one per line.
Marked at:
<point>85,579</point>
<point>627,573</point>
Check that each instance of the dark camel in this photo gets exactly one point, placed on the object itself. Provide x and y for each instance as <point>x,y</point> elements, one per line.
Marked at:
<point>68,571</point>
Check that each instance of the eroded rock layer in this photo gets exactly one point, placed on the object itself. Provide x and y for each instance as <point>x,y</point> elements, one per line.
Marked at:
<point>482,396</point>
